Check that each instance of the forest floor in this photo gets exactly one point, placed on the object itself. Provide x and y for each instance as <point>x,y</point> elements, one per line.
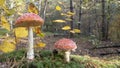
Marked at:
<point>84,46</point>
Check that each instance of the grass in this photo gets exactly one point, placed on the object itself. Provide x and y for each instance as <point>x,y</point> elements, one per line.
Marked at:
<point>94,62</point>
<point>3,32</point>
<point>46,59</point>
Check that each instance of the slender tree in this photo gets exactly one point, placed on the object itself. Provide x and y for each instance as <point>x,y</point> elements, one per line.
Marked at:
<point>97,27</point>
<point>45,8</point>
<point>103,25</point>
<point>39,7</point>
<point>108,19</point>
<point>89,25</point>
<point>71,22</point>
<point>11,21</point>
<point>80,14</point>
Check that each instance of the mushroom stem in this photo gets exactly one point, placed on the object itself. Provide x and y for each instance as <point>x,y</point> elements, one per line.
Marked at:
<point>67,56</point>
<point>30,52</point>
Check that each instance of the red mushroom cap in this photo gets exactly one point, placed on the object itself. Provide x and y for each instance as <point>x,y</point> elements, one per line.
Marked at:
<point>29,19</point>
<point>65,44</point>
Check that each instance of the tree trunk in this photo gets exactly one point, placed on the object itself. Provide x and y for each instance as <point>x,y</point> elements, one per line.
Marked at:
<point>71,22</point>
<point>80,15</point>
<point>103,25</point>
<point>45,8</point>
<point>108,20</point>
<point>11,17</point>
<point>97,27</point>
<point>44,11</point>
<point>89,26</point>
<point>39,7</point>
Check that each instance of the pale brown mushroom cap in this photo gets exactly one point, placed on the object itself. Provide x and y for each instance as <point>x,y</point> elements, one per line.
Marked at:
<point>29,19</point>
<point>65,44</point>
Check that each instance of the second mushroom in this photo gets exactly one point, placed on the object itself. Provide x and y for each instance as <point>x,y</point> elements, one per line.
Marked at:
<point>29,20</point>
<point>65,45</point>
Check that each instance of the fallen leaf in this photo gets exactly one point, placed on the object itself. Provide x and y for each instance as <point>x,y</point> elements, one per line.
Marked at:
<point>7,47</point>
<point>59,21</point>
<point>5,23</point>
<point>42,35</point>
<point>32,8</point>
<point>76,30</point>
<point>41,45</point>
<point>72,31</point>
<point>2,2</point>
<point>58,8</point>
<point>21,32</point>
<point>68,19</point>
<point>60,2</point>
<point>70,13</point>
<point>66,28</point>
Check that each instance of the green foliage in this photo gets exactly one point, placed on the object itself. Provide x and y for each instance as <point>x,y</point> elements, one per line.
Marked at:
<point>16,55</point>
<point>94,40</point>
<point>3,32</point>
<point>41,35</point>
<point>45,53</point>
<point>50,63</point>
<point>45,59</point>
<point>114,32</point>
<point>92,62</point>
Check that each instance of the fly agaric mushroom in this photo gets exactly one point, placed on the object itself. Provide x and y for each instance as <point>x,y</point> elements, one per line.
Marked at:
<point>29,20</point>
<point>65,45</point>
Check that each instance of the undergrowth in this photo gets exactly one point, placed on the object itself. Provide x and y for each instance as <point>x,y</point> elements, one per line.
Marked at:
<point>46,59</point>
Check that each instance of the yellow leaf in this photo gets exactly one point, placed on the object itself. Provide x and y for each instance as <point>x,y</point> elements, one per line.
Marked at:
<point>21,32</point>
<point>42,35</point>
<point>70,13</point>
<point>66,28</point>
<point>5,23</point>
<point>37,30</point>
<point>58,8</point>
<point>41,44</point>
<point>5,9</point>
<point>72,31</point>
<point>8,11</point>
<point>11,12</point>
<point>67,15</point>
<point>19,13</point>
<point>7,46</point>
<point>2,2</point>
<point>63,14</point>
<point>59,21</point>
<point>3,19</point>
<point>76,30</point>
<point>68,19</point>
<point>32,8</point>
<point>60,2</point>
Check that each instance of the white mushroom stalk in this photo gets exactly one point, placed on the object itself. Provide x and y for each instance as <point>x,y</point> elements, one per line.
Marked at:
<point>30,52</point>
<point>67,56</point>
